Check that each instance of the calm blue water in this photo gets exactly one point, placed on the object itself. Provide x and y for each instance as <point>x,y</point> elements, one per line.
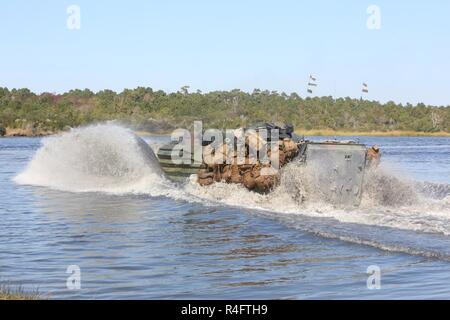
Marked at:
<point>148,246</point>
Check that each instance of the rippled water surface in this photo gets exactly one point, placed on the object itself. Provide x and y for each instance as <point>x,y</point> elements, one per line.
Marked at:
<point>143,237</point>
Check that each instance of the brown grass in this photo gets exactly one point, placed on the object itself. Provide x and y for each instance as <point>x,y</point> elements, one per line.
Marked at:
<point>342,133</point>
<point>27,132</point>
<point>148,133</point>
<point>397,133</point>
<point>9,293</point>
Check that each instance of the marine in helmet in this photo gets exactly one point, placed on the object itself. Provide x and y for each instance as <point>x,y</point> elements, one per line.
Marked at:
<point>373,156</point>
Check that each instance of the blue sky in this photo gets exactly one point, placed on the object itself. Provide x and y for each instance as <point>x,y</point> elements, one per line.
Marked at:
<point>212,45</point>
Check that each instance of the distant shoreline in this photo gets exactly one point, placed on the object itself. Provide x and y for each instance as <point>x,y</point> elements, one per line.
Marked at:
<point>157,111</point>
<point>317,132</point>
<point>396,133</point>
<point>17,132</point>
<point>343,133</point>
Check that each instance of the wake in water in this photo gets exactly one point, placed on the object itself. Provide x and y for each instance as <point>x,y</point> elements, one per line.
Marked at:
<point>387,201</point>
<point>109,158</point>
<point>395,214</point>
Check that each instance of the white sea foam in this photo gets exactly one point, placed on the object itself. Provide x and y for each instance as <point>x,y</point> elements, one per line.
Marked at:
<point>98,158</point>
<point>387,201</point>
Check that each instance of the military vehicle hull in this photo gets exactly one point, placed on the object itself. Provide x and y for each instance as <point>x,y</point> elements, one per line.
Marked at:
<point>338,171</point>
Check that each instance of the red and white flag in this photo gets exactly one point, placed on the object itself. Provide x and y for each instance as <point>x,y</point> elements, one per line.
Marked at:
<point>311,83</point>
<point>365,88</point>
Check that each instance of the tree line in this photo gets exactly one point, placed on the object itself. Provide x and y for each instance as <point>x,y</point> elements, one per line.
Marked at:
<point>148,109</point>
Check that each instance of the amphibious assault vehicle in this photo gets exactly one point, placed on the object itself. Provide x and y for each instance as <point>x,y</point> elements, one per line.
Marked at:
<point>338,166</point>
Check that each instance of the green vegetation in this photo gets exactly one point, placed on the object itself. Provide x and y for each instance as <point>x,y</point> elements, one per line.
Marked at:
<point>157,111</point>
